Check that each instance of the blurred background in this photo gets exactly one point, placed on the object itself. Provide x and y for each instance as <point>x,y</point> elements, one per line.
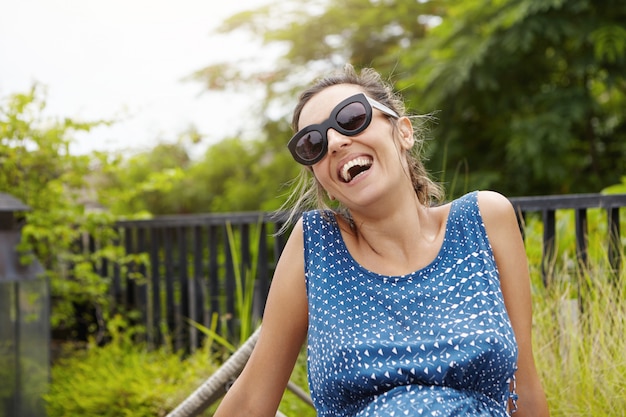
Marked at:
<point>125,60</point>
<point>528,96</point>
<point>114,112</point>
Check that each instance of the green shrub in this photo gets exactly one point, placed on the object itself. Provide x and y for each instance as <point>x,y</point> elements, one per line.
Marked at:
<point>124,379</point>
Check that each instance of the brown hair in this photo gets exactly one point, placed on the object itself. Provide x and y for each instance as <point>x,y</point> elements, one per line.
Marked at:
<point>308,192</point>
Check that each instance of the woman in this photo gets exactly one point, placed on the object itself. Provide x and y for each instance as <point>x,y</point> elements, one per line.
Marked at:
<point>408,308</point>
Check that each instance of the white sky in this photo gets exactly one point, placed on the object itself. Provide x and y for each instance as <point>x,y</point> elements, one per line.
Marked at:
<point>101,59</point>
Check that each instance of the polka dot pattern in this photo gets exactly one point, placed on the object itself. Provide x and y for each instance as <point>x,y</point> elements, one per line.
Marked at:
<point>436,342</point>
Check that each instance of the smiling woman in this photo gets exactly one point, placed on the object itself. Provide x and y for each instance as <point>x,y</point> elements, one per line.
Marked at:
<point>309,192</point>
<point>407,307</point>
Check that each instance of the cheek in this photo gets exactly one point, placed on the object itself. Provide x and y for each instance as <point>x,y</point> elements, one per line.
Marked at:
<point>321,175</point>
<point>320,170</point>
<point>402,153</point>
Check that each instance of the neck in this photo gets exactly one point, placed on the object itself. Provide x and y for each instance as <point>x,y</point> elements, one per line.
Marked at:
<point>408,238</point>
<point>394,227</point>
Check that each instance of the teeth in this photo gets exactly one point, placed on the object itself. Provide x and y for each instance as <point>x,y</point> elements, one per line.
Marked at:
<point>360,161</point>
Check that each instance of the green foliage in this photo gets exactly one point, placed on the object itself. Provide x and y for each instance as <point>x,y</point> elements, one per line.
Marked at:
<point>143,184</point>
<point>226,177</point>
<point>616,188</point>
<point>127,379</point>
<point>529,94</point>
<point>38,169</point>
<point>578,319</point>
<point>578,343</point>
<point>233,175</point>
<point>245,277</point>
<point>124,379</point>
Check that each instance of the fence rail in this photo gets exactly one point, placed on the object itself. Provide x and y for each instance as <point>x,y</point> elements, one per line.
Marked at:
<point>190,273</point>
<point>547,206</point>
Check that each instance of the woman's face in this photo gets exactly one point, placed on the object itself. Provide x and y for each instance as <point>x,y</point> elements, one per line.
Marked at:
<point>358,170</point>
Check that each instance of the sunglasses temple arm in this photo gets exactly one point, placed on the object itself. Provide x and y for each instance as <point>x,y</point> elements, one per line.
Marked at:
<point>382,108</point>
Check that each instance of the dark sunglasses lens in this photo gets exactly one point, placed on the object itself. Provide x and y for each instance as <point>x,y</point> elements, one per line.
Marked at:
<point>310,146</point>
<point>352,117</point>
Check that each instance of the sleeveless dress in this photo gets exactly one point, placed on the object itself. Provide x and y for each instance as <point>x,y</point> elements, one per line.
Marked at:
<point>435,342</point>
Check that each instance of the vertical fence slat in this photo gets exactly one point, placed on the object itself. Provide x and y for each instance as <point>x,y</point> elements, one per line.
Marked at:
<point>142,287</point>
<point>246,257</point>
<point>129,301</point>
<point>245,247</point>
<point>614,238</point>
<point>581,236</point>
<point>262,281</point>
<point>154,333</point>
<point>521,222</point>
<point>213,295</point>
<point>280,240</point>
<point>170,303</point>
<point>116,287</point>
<point>229,284</point>
<point>549,243</point>
<point>184,287</point>
<point>196,296</point>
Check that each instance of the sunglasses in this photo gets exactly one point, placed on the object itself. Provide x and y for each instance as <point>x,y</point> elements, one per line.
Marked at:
<point>350,117</point>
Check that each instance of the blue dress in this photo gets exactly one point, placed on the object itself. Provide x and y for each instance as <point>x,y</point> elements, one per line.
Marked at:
<point>435,342</point>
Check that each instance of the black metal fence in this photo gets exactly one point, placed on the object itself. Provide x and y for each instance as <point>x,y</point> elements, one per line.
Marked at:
<point>548,206</point>
<point>192,262</point>
<point>191,270</point>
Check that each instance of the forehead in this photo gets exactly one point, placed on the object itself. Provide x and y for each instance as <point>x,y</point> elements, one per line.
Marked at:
<point>318,108</point>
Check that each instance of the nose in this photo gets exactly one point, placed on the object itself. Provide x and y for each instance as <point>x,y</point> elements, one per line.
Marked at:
<point>336,140</point>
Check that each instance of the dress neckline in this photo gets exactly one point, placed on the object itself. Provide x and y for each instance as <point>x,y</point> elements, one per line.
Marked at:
<point>432,264</point>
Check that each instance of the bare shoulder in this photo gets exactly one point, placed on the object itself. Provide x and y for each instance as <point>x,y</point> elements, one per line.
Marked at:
<point>292,256</point>
<point>296,238</point>
<point>498,216</point>
<point>494,205</point>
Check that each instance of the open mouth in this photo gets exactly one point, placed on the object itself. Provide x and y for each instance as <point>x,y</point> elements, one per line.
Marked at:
<point>354,168</point>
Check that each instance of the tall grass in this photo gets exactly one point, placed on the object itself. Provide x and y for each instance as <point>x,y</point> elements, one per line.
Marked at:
<point>579,323</point>
<point>245,278</point>
<point>580,343</point>
<point>243,322</point>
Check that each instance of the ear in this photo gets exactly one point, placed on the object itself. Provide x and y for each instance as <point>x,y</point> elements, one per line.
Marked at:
<point>405,127</point>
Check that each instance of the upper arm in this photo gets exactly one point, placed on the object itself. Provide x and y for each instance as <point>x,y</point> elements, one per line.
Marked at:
<point>510,255</point>
<point>260,387</point>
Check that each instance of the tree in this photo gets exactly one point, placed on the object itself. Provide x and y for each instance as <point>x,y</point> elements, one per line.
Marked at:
<point>38,169</point>
<point>233,175</point>
<point>528,94</point>
<point>239,175</point>
<point>144,184</point>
